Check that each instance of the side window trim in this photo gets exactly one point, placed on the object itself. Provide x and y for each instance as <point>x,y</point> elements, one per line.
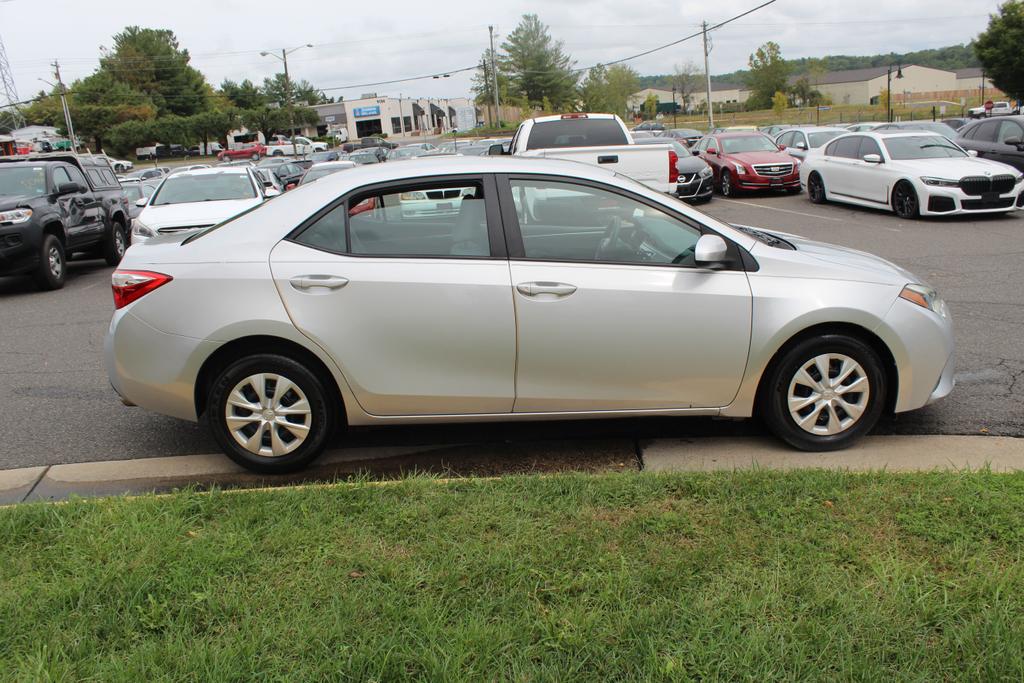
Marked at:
<point>517,251</point>
<point>495,235</point>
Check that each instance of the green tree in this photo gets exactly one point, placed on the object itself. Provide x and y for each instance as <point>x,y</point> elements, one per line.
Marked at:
<point>779,103</point>
<point>803,94</point>
<point>265,120</point>
<point>995,47</point>
<point>151,62</point>
<point>538,66</point>
<point>651,106</point>
<point>622,81</point>
<point>594,91</point>
<point>768,74</point>
<point>244,95</point>
<point>214,124</point>
<point>275,90</point>
<point>482,86</point>
<point>126,137</point>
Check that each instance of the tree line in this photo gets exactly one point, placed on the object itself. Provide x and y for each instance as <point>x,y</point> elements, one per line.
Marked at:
<point>145,91</point>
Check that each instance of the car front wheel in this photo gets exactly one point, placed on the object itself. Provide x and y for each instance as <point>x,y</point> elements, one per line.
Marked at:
<point>726,184</point>
<point>270,414</point>
<point>904,200</point>
<point>51,271</point>
<point>824,393</point>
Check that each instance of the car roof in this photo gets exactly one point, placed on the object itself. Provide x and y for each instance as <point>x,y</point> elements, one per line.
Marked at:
<point>740,134</point>
<point>215,170</point>
<point>814,129</point>
<point>581,115</point>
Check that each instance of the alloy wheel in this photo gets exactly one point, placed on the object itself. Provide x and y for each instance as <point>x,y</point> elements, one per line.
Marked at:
<point>119,246</point>
<point>726,184</point>
<point>904,201</point>
<point>56,261</point>
<point>268,414</point>
<point>815,189</point>
<point>828,394</point>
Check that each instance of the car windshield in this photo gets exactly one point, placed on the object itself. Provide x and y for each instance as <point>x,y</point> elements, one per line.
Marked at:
<point>748,143</point>
<point>922,147</point>
<point>323,156</point>
<point>819,139</point>
<point>363,158</point>
<point>22,181</point>
<point>207,187</point>
<point>407,152</point>
<point>930,126</point>
<point>314,173</point>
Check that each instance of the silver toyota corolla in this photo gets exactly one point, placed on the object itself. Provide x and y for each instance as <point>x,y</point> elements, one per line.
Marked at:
<point>482,288</point>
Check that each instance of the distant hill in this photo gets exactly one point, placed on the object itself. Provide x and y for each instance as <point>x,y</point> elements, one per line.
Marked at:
<point>950,58</point>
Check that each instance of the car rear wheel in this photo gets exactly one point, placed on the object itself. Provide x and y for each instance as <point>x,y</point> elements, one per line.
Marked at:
<point>725,184</point>
<point>270,414</point>
<point>904,200</point>
<point>816,189</point>
<point>115,244</point>
<point>255,156</point>
<point>824,393</point>
<point>52,268</point>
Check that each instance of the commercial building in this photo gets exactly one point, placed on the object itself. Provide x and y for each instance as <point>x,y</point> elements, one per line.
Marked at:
<point>395,117</point>
<point>721,93</point>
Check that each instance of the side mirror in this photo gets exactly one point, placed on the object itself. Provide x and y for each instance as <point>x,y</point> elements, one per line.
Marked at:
<point>710,249</point>
<point>271,192</point>
<point>713,151</point>
<point>141,202</point>
<point>972,152</point>
<point>872,158</point>
<point>495,150</point>
<point>801,145</point>
<point>782,148</point>
<point>69,188</point>
<point>1015,141</point>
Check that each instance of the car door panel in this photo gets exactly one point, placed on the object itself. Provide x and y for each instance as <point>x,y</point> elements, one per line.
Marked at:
<point>412,336</point>
<point>595,332</point>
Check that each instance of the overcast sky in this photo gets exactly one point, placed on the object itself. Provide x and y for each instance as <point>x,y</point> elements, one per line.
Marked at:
<point>353,44</point>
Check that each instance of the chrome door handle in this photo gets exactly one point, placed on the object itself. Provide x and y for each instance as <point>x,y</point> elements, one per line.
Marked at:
<point>304,282</point>
<point>558,289</point>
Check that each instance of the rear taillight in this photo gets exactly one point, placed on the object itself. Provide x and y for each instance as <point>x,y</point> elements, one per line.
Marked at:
<point>673,172</point>
<point>129,285</point>
<point>574,116</point>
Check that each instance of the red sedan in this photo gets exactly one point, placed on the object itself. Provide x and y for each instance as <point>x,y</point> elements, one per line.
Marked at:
<point>253,151</point>
<point>748,161</point>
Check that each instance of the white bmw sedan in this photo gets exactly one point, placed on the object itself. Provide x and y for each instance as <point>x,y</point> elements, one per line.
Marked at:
<point>533,289</point>
<point>913,173</point>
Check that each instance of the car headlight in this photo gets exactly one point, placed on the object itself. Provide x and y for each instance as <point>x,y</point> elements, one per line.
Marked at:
<point>142,230</point>
<point>1018,180</point>
<point>740,168</point>
<point>706,172</point>
<point>925,297</point>
<point>15,216</point>
<point>940,182</point>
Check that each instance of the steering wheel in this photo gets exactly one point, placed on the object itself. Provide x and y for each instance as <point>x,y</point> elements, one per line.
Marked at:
<point>689,255</point>
<point>611,236</point>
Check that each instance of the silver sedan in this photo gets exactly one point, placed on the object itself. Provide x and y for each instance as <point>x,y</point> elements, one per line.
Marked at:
<point>477,288</point>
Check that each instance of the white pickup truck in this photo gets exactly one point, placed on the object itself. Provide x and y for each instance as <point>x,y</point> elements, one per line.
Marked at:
<point>281,146</point>
<point>998,109</point>
<point>598,139</point>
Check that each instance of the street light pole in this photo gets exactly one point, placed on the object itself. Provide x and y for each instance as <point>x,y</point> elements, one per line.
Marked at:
<point>494,76</point>
<point>888,89</point>
<point>288,88</point>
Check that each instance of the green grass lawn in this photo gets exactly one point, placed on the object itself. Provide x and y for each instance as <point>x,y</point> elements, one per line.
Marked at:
<point>619,577</point>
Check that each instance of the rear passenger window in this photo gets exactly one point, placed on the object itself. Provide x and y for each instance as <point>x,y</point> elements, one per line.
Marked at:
<point>429,220</point>
<point>868,146</point>
<point>985,132</point>
<point>846,148</point>
<point>95,178</point>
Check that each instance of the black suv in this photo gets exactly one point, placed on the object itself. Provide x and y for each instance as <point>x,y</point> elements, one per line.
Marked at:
<point>999,139</point>
<point>54,205</point>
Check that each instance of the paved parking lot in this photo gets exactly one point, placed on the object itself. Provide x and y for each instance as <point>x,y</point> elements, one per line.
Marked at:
<point>58,407</point>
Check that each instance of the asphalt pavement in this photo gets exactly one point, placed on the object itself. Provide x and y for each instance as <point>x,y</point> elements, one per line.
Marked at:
<point>58,406</point>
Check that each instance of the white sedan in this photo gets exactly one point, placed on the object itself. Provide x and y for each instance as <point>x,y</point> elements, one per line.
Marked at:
<point>911,173</point>
<point>198,198</point>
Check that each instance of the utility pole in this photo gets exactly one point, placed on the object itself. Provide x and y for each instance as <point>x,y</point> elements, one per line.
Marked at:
<point>288,99</point>
<point>707,78</point>
<point>494,75</point>
<point>64,106</point>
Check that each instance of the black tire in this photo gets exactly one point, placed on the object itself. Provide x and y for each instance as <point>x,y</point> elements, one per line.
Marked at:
<point>323,416</point>
<point>115,244</point>
<point>816,189</point>
<point>53,264</point>
<point>774,397</point>
<point>725,184</point>
<point>905,203</point>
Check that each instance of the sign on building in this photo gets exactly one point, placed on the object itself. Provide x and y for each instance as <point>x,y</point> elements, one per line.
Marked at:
<point>465,118</point>
<point>366,111</point>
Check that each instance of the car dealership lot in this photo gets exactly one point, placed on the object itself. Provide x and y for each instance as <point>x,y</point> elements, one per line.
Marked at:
<point>60,408</point>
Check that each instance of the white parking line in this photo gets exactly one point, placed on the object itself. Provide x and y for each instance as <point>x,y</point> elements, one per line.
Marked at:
<point>775,208</point>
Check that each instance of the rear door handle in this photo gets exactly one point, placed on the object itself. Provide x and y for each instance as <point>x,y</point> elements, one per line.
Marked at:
<point>558,289</point>
<point>307,282</point>
<point>608,159</point>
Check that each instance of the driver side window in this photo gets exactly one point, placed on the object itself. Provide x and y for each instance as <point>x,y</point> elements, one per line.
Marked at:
<point>568,222</point>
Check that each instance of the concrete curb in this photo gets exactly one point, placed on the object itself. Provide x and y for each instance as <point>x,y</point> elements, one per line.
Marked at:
<point>891,453</point>
<point>146,475</point>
